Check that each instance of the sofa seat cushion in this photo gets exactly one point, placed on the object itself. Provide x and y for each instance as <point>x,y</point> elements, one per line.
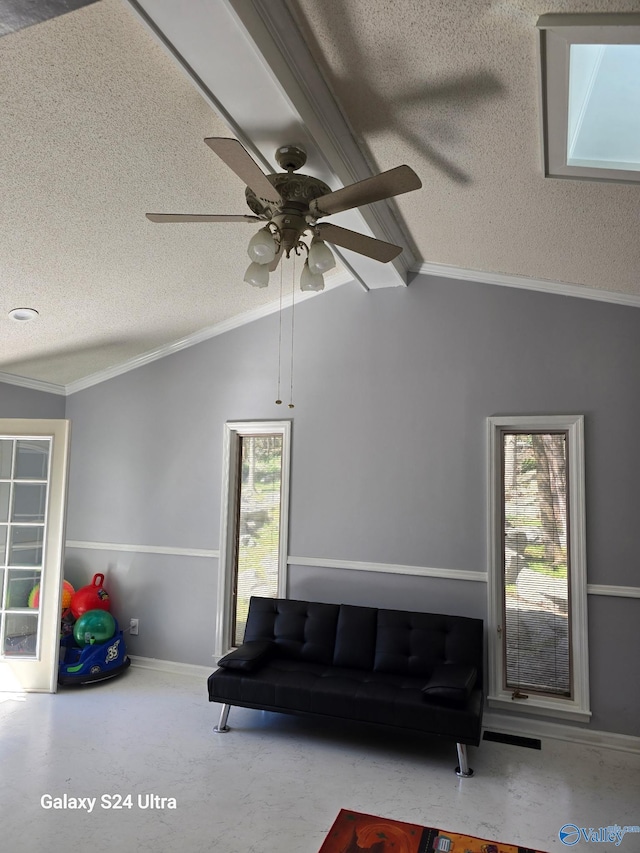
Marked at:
<point>362,695</point>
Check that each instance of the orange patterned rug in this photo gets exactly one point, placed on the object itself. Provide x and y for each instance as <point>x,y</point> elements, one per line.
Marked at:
<point>354,832</point>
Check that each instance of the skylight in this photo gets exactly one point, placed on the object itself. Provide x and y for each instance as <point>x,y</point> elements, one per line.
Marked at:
<point>590,75</point>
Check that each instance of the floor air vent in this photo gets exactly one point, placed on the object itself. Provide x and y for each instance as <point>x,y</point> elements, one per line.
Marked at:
<point>514,740</point>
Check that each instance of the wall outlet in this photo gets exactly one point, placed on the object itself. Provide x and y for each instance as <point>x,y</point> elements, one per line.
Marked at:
<point>133,626</point>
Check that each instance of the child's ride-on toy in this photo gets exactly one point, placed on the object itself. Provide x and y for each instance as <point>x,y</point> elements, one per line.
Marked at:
<point>96,661</point>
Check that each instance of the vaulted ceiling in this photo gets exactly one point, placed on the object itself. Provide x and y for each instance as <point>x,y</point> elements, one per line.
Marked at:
<point>105,110</point>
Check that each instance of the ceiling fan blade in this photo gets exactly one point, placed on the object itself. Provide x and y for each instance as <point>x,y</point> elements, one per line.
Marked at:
<point>201,217</point>
<point>16,15</point>
<point>396,181</point>
<point>360,243</point>
<point>242,163</point>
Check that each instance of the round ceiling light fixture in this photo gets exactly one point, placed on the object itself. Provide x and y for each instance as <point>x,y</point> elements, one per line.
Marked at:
<point>23,314</point>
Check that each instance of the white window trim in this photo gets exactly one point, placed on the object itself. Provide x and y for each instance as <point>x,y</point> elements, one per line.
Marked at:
<point>233,431</point>
<point>557,33</point>
<point>577,708</point>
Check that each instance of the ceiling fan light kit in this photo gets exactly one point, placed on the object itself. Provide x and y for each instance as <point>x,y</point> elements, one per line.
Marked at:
<point>320,258</point>
<point>257,275</point>
<point>262,247</point>
<point>291,205</point>
<point>310,280</point>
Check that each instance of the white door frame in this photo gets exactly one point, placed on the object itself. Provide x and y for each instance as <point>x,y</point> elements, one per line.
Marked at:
<point>40,673</point>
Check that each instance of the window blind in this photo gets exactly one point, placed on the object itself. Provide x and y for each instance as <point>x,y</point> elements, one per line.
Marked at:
<point>536,630</point>
<point>258,524</point>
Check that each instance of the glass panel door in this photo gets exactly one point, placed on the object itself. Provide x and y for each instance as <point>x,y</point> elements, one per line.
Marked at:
<point>22,521</point>
<point>33,468</point>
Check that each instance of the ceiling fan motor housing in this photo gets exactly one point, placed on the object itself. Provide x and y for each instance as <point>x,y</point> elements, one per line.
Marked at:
<point>291,157</point>
<point>299,190</point>
<point>296,191</point>
<point>293,203</point>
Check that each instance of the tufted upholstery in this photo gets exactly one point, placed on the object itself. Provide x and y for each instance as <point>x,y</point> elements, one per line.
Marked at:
<point>303,630</point>
<point>359,663</point>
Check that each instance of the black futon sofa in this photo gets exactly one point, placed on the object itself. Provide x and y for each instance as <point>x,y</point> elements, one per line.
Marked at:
<point>416,671</point>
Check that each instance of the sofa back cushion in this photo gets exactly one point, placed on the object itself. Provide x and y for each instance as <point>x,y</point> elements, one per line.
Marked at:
<point>392,641</point>
<point>302,630</point>
<point>415,643</point>
<point>356,637</point>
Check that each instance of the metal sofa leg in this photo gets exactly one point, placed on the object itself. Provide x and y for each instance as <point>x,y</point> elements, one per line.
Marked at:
<point>463,770</point>
<point>222,726</point>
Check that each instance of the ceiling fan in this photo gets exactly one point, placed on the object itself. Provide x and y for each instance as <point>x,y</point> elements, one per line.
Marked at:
<point>291,204</point>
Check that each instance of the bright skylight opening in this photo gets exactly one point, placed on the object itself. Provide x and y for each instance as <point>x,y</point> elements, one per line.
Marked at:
<point>590,96</point>
<point>604,106</point>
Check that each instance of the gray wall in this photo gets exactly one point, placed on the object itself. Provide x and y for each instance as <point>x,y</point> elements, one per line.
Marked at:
<point>18,402</point>
<point>392,392</point>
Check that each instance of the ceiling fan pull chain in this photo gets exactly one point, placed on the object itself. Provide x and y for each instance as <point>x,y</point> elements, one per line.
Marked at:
<point>293,319</point>
<point>279,401</point>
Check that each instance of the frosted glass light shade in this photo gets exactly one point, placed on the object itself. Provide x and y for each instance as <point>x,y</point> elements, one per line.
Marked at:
<point>310,280</point>
<point>262,247</point>
<point>257,275</point>
<point>320,257</point>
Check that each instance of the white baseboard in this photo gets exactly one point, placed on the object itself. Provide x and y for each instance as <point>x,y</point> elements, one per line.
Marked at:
<point>522,727</point>
<point>171,666</point>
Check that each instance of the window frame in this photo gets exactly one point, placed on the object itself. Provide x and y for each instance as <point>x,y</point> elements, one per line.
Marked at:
<point>499,697</point>
<point>557,32</point>
<point>233,432</point>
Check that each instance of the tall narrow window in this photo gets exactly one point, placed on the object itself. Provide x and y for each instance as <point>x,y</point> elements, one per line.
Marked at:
<point>535,560</point>
<point>258,524</point>
<point>538,642</point>
<point>253,554</point>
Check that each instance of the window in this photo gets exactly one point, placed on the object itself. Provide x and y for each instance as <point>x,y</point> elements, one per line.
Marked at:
<point>253,551</point>
<point>24,469</point>
<point>590,98</point>
<point>537,578</point>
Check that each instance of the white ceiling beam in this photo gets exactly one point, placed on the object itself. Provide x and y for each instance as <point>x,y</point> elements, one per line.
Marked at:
<point>248,60</point>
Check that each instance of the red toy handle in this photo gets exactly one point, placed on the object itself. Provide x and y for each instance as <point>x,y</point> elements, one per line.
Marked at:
<point>98,580</point>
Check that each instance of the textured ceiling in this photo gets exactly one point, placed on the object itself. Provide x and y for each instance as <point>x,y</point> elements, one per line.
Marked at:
<point>100,125</point>
<point>450,86</point>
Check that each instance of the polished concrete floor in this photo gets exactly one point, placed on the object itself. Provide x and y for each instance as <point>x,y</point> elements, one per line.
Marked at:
<point>274,784</point>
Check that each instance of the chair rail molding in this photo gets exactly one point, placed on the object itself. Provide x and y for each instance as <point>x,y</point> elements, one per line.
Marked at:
<point>142,549</point>
<point>389,568</point>
<point>611,590</point>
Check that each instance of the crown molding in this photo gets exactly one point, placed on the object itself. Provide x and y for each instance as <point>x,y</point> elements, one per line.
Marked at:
<point>34,384</point>
<point>557,288</point>
<point>337,280</point>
